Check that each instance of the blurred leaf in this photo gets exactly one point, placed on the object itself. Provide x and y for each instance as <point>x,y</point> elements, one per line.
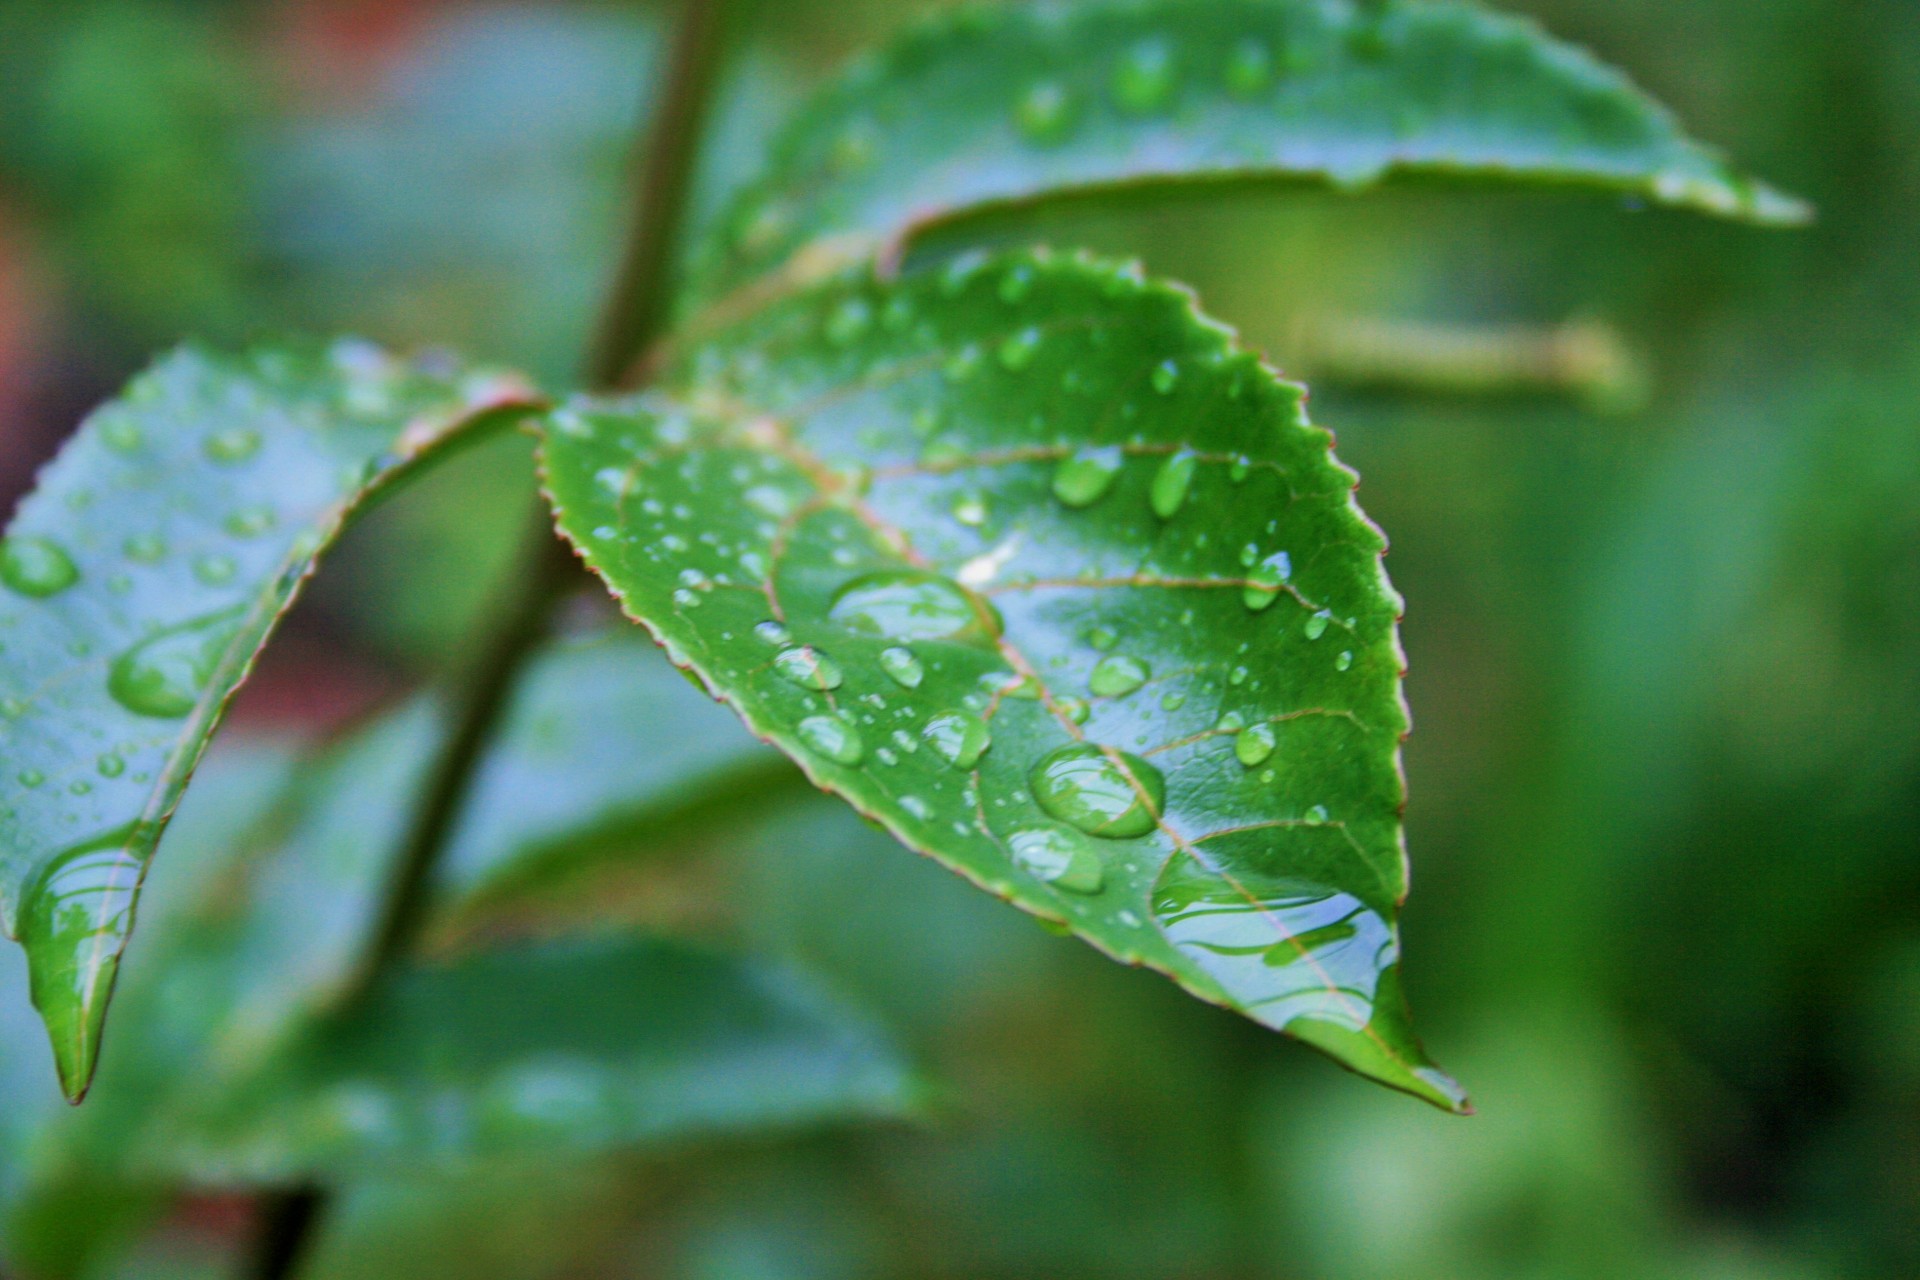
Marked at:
<point>145,573</point>
<point>998,106</point>
<point>571,1048</point>
<point>826,516</point>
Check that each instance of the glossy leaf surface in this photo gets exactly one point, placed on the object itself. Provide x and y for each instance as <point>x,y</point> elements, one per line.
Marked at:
<point>140,580</point>
<point>1035,566</point>
<point>573,1047</point>
<point>1007,105</point>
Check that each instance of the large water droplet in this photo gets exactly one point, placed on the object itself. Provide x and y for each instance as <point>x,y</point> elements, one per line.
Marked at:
<point>74,924</point>
<point>1045,114</point>
<point>1255,743</point>
<point>1083,478</point>
<point>959,739</point>
<point>1116,676</point>
<point>911,604</point>
<point>833,738</point>
<point>1171,484</point>
<point>164,675</point>
<point>1264,582</point>
<point>1143,79</point>
<point>36,567</point>
<point>902,667</point>
<point>1062,857</point>
<point>1086,786</point>
<point>807,667</point>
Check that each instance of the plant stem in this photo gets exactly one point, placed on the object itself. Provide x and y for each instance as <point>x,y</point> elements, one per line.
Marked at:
<point>636,312</point>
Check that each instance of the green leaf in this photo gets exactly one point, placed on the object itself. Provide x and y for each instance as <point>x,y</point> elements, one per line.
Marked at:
<point>577,1047</point>
<point>1004,106</point>
<point>141,578</point>
<point>1032,564</point>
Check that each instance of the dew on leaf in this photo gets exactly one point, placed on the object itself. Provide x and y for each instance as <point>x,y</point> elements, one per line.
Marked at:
<point>1116,676</point>
<point>1102,792</point>
<point>902,667</point>
<point>1264,582</point>
<point>1060,856</point>
<point>970,509</point>
<point>251,522</point>
<point>833,738</point>
<point>1018,351</point>
<point>849,321</point>
<point>1254,744</point>
<point>1316,624</point>
<point>165,675</point>
<point>1166,377</point>
<point>1045,114</point>
<point>807,667</point>
<point>111,766</point>
<point>1143,79</point>
<point>1074,709</point>
<point>1316,816</point>
<point>1171,484</point>
<point>233,445</point>
<point>30,778</point>
<point>36,567</point>
<point>1103,638</point>
<point>1344,661</point>
<point>959,739</point>
<point>773,632</point>
<point>214,569</point>
<point>1082,478</point>
<point>912,604</point>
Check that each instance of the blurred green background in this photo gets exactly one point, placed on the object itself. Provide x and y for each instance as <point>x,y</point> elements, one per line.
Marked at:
<point>1653,485</point>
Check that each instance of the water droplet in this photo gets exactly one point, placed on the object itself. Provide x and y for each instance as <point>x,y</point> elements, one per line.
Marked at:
<point>807,667</point>
<point>1316,816</point>
<point>1103,638</point>
<point>1045,114</point>
<point>122,433</point>
<point>80,787</point>
<point>849,321</point>
<point>1238,676</point>
<point>1171,484</point>
<point>1172,701</point>
<point>1231,722</point>
<point>146,548</point>
<point>833,738</point>
<point>1085,786</point>
<point>1264,583</point>
<point>1255,743</point>
<point>1016,284</point>
<point>111,766</point>
<point>1083,478</point>
<point>36,567</point>
<point>164,675</point>
<point>1060,856</point>
<point>232,445</point>
<point>1166,377</point>
<point>1143,80</point>
<point>251,522</point>
<point>74,924</point>
<point>959,739</point>
<point>904,669</point>
<point>1344,661</point>
<point>1249,68</point>
<point>1116,676</point>
<point>961,364</point>
<point>970,509</point>
<point>1074,709</point>
<point>31,778</point>
<point>912,605</point>
<point>772,632</point>
<point>214,569</point>
<point>1018,351</point>
<point>1240,468</point>
<point>1316,625</point>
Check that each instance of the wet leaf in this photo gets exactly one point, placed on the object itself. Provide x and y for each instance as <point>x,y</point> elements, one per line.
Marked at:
<point>1004,106</point>
<point>573,1047</point>
<point>140,580</point>
<point>1168,559</point>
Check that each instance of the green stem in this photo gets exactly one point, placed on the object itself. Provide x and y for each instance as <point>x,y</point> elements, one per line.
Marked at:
<point>636,312</point>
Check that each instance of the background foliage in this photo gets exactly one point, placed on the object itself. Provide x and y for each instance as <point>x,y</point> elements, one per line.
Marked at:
<point>1656,519</point>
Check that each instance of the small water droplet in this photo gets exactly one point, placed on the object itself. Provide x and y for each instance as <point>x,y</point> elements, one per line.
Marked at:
<point>232,445</point>
<point>1103,638</point>
<point>146,548</point>
<point>961,364</point>
<point>111,766</point>
<point>1173,701</point>
<point>1045,114</point>
<point>1316,816</point>
<point>214,569</point>
<point>1143,79</point>
<point>807,667</point>
<point>1116,676</point>
<point>1231,722</point>
<point>913,604</point>
<point>1060,856</point>
<point>904,669</point>
<point>1255,743</point>
<point>121,433</point>
<point>31,778</point>
<point>1344,661</point>
<point>36,567</point>
<point>164,675</point>
<point>1086,785</point>
<point>1249,68</point>
<point>773,633</point>
<point>80,787</point>
<point>1016,283</point>
<point>1018,351</point>
<point>1316,625</point>
<point>251,522</point>
<point>1238,676</point>
<point>1172,482</point>
<point>1084,477</point>
<point>1074,709</point>
<point>959,739</point>
<point>970,509</point>
<point>1166,377</point>
<point>686,599</point>
<point>833,738</point>
<point>1239,469</point>
<point>1264,582</point>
